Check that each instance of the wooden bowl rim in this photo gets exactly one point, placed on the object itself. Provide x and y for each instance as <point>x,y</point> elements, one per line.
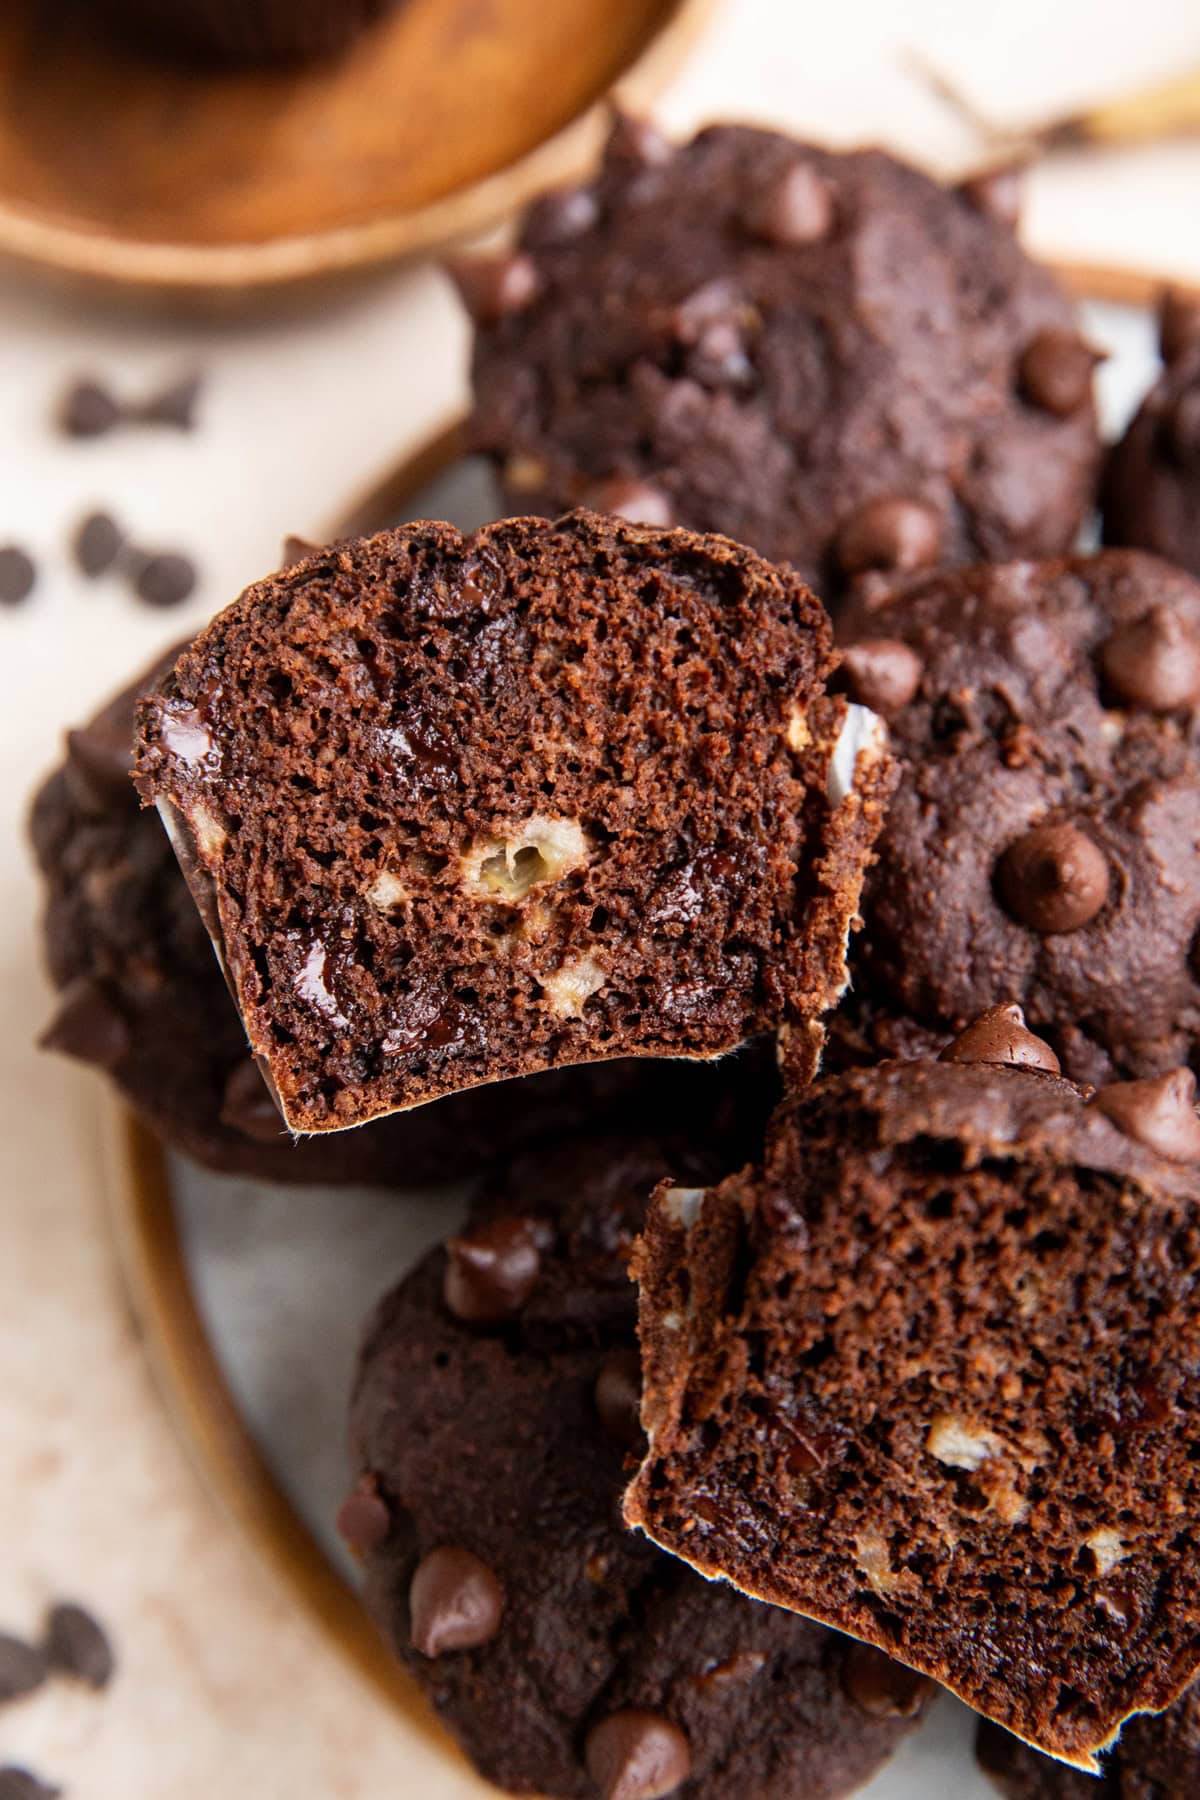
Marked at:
<point>71,250</point>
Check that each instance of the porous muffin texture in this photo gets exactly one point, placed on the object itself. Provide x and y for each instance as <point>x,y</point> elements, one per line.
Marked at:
<point>141,997</point>
<point>929,1375</point>
<point>1153,1759</point>
<point>456,809</point>
<point>1043,843</point>
<point>825,355</point>
<point>1150,494</point>
<point>494,1411</point>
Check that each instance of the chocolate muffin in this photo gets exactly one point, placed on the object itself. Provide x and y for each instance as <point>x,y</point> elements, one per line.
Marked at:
<point>143,998</point>
<point>1044,839</point>
<point>1153,1759</point>
<point>457,809</point>
<point>824,355</point>
<point>1151,490</point>
<point>929,1375</point>
<point>495,1405</point>
<point>240,31</point>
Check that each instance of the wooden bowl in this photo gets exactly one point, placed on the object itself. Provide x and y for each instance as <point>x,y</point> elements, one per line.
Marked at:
<point>439,121</point>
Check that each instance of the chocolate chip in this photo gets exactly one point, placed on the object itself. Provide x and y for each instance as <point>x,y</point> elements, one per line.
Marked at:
<point>454,1602</point>
<point>296,550</point>
<point>494,287</point>
<point>102,753</point>
<point>18,573</point>
<point>636,141</point>
<point>719,360</point>
<point>628,498</point>
<point>88,409</point>
<point>247,1104</point>
<point>89,1025</point>
<point>363,1520</point>
<point>882,673</point>
<point>22,1667</point>
<point>618,1396</point>
<point>881,1686</point>
<point>1055,371</point>
<point>1159,1112</point>
<point>491,1271</point>
<point>889,533</point>
<point>165,578</point>
<point>797,208</point>
<point>1000,1035</point>
<point>1153,662</point>
<point>19,1784</point>
<point>78,1645</point>
<point>173,405</point>
<point>1178,325</point>
<point>560,217</point>
<point>996,192</point>
<point>637,1755</point>
<point>1055,878</point>
<point>96,544</point>
<point>1181,426</point>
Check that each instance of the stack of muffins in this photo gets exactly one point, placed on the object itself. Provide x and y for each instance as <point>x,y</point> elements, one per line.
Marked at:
<point>592,806</point>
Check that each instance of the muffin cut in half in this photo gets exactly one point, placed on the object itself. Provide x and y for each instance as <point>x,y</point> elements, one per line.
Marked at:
<point>456,809</point>
<point>929,1375</point>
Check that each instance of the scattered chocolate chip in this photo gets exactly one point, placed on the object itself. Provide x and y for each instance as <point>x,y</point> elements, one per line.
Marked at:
<point>1159,1112</point>
<point>297,550</point>
<point>18,573</point>
<point>797,208</point>
<point>637,1756</point>
<point>1153,662</point>
<point>1178,325</point>
<point>165,578</point>
<point>1055,371</point>
<point>636,141</point>
<point>494,287</point>
<point>78,1645</point>
<point>881,1686</point>
<point>618,1395</point>
<point>88,409</point>
<point>996,192</point>
<point>89,1025</point>
<point>1181,426</point>
<point>882,673</point>
<point>19,1784</point>
<point>491,1271</point>
<point>97,544</point>
<point>454,1603</point>
<point>628,498</point>
<point>1000,1035</point>
<point>1055,878</point>
<point>889,533</point>
<point>247,1104</point>
<point>558,218</point>
<point>22,1667</point>
<point>363,1519</point>
<point>173,405</point>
